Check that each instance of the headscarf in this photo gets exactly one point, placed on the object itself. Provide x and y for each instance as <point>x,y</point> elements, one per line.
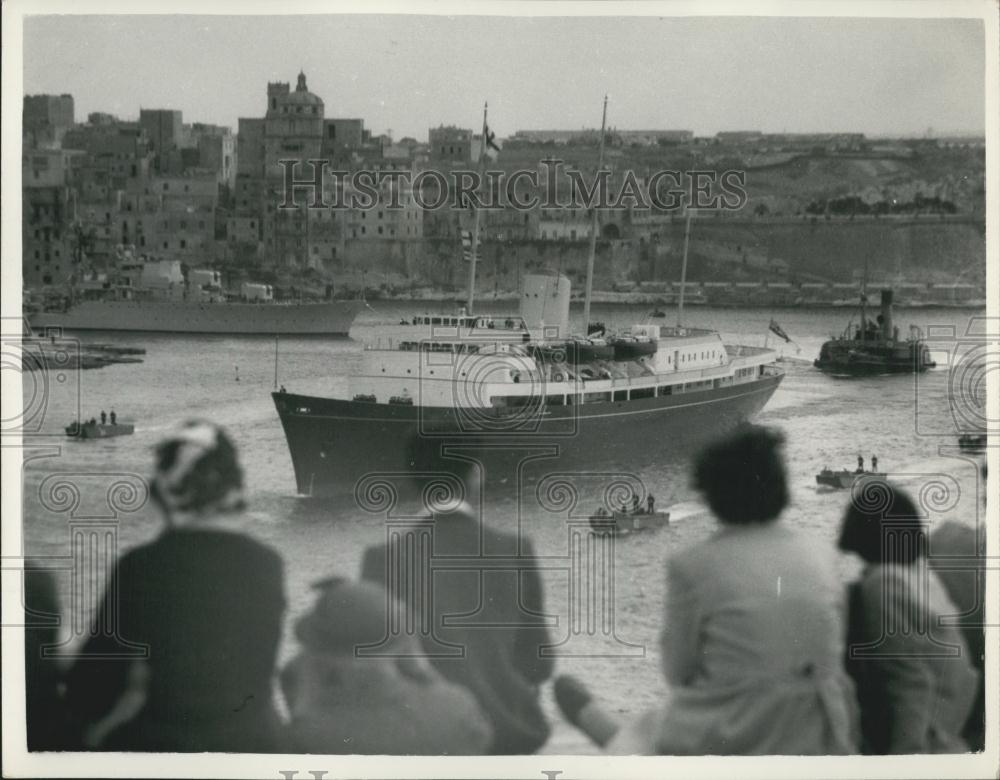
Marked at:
<point>197,473</point>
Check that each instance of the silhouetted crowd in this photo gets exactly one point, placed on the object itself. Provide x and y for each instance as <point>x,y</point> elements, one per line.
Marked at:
<point>764,648</point>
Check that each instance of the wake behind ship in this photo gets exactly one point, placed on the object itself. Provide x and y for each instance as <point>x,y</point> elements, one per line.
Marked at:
<point>518,390</point>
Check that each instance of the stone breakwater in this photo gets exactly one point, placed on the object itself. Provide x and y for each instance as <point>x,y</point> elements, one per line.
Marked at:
<point>71,355</point>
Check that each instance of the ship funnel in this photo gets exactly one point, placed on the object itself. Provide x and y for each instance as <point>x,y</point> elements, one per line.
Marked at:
<point>886,315</point>
<point>887,330</point>
<point>545,305</point>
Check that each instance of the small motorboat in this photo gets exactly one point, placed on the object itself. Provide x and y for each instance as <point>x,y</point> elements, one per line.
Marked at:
<point>96,430</point>
<point>621,523</point>
<point>844,478</point>
<point>974,443</point>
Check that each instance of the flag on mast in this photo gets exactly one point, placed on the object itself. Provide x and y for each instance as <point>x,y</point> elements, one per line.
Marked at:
<point>491,139</point>
<point>777,330</point>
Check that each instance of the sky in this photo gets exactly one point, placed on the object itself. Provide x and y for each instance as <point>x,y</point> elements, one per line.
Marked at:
<point>405,74</point>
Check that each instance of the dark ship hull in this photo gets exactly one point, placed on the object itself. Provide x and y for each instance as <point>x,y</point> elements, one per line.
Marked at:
<point>867,357</point>
<point>335,444</point>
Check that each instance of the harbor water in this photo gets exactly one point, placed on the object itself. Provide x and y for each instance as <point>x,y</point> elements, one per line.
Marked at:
<point>908,422</point>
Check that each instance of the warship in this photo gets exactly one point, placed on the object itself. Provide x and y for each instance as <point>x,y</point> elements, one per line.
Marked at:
<point>156,297</point>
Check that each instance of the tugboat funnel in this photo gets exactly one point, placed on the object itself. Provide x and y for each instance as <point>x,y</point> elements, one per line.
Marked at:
<point>887,331</point>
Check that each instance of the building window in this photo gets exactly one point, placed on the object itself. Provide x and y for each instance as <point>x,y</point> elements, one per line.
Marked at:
<point>166,186</point>
<point>183,244</point>
<point>362,230</point>
<point>166,245</point>
<point>380,230</point>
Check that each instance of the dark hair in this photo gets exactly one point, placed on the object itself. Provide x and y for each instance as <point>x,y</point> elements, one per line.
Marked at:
<point>882,524</point>
<point>742,476</point>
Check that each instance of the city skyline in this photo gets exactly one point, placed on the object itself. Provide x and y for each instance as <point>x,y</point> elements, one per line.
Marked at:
<point>405,74</point>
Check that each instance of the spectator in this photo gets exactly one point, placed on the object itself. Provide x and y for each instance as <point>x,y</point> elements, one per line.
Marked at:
<point>502,663</point>
<point>752,644</point>
<point>203,602</point>
<point>915,682</point>
<point>390,702</point>
<point>45,720</point>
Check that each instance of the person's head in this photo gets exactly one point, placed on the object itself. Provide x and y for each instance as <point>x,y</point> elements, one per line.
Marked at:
<point>742,476</point>
<point>438,463</point>
<point>351,622</point>
<point>346,615</point>
<point>882,525</point>
<point>197,472</point>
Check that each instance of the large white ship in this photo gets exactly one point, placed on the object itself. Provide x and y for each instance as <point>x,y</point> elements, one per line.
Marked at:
<point>507,383</point>
<point>157,298</point>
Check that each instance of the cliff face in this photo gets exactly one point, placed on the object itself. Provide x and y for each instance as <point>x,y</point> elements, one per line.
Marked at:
<point>922,250</point>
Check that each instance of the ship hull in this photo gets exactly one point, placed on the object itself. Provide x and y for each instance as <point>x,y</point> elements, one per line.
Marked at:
<point>865,358</point>
<point>335,444</point>
<point>332,318</point>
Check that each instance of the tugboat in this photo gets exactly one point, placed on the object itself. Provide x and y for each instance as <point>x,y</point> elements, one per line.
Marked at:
<point>875,347</point>
<point>845,478</point>
<point>96,430</point>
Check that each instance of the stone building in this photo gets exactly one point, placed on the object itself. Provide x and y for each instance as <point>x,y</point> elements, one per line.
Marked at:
<point>164,131</point>
<point>46,118</point>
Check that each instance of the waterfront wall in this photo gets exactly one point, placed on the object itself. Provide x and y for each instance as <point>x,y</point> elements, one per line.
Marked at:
<point>922,252</point>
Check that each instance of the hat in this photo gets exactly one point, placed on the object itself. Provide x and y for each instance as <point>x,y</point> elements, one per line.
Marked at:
<point>346,615</point>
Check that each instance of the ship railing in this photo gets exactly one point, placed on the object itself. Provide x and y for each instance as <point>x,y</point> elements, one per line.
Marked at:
<point>744,350</point>
<point>673,332</point>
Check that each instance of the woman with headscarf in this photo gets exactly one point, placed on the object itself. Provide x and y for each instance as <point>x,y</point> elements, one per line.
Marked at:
<point>915,679</point>
<point>182,648</point>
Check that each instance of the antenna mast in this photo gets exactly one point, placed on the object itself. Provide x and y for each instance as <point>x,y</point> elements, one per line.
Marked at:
<point>684,268</point>
<point>475,227</point>
<point>593,226</point>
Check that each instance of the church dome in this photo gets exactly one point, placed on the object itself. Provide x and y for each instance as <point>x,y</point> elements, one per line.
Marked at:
<point>302,96</point>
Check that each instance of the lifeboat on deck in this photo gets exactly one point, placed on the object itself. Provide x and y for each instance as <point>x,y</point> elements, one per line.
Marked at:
<point>632,348</point>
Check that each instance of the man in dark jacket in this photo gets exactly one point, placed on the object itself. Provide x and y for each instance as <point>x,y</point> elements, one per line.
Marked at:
<point>488,627</point>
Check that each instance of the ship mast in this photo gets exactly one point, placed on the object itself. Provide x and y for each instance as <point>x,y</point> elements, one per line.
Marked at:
<point>864,302</point>
<point>684,268</point>
<point>593,225</point>
<point>475,226</point>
